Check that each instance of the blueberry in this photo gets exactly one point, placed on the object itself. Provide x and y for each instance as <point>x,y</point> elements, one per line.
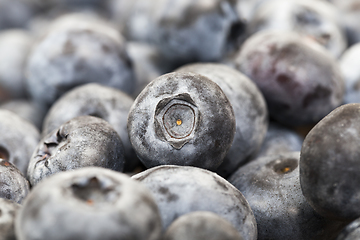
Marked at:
<point>249,108</point>
<point>77,50</point>
<point>181,119</point>
<point>18,139</point>
<point>185,31</point>
<point>300,81</point>
<point>201,225</point>
<point>329,164</point>
<point>278,140</point>
<point>8,211</point>
<point>81,142</point>
<point>179,190</point>
<point>96,100</point>
<point>13,184</point>
<point>318,19</point>
<point>350,69</point>
<point>14,47</point>
<point>272,187</point>
<point>89,203</point>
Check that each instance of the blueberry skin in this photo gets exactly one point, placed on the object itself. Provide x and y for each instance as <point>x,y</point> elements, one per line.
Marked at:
<point>249,109</point>
<point>350,70</point>
<point>18,139</point>
<point>201,225</point>
<point>93,99</point>
<point>278,140</point>
<point>81,142</point>
<point>320,20</point>
<point>179,190</point>
<point>8,210</point>
<point>272,187</point>
<point>181,119</point>
<point>329,164</point>
<point>78,50</point>
<point>299,79</point>
<point>185,31</point>
<point>351,231</point>
<point>13,184</point>
<point>89,203</point>
<point>14,47</point>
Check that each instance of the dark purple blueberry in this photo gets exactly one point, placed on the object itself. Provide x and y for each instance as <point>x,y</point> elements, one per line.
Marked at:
<point>13,184</point>
<point>89,204</point>
<point>317,19</point>
<point>18,139</point>
<point>272,187</point>
<point>299,79</point>
<point>182,119</point>
<point>8,211</point>
<point>14,47</point>
<point>330,166</point>
<point>350,70</point>
<point>278,140</point>
<point>201,225</point>
<point>96,100</point>
<point>81,142</point>
<point>249,109</point>
<point>179,190</point>
<point>77,50</point>
<point>185,31</point>
<point>27,109</point>
<point>351,231</point>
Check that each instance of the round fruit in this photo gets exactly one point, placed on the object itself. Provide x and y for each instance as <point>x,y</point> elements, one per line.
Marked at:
<point>182,119</point>
<point>89,203</point>
<point>330,164</point>
<point>179,190</point>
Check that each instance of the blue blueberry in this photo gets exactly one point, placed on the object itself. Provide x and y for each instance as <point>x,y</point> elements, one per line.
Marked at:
<point>81,142</point>
<point>272,187</point>
<point>13,184</point>
<point>78,49</point>
<point>329,164</point>
<point>179,190</point>
<point>96,100</point>
<point>184,31</point>
<point>89,204</point>
<point>182,119</point>
<point>18,139</point>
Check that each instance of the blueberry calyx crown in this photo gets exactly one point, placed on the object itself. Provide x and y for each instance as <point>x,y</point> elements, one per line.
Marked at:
<point>175,120</point>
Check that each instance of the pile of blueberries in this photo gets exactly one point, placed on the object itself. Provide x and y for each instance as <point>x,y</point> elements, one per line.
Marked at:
<point>179,119</point>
